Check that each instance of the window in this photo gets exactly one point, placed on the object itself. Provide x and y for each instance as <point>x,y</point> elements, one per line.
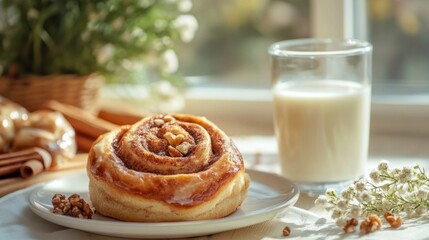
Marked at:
<point>227,62</point>
<point>399,31</point>
<point>231,44</point>
<point>233,37</point>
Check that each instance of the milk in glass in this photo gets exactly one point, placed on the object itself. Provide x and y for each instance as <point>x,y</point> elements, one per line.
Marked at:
<point>322,129</point>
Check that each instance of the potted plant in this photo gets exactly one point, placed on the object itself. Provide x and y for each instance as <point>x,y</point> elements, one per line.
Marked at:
<point>61,49</point>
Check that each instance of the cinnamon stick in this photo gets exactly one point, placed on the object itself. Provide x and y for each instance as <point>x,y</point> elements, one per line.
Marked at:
<point>18,157</point>
<point>84,143</point>
<point>9,169</point>
<point>24,159</point>
<point>82,121</point>
<point>31,168</point>
<point>120,117</point>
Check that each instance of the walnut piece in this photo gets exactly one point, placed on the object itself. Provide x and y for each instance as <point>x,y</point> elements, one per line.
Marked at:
<point>371,224</point>
<point>174,140</point>
<point>158,122</point>
<point>286,231</point>
<point>350,225</point>
<point>73,206</point>
<point>177,147</point>
<point>394,221</point>
<point>174,152</point>
<point>169,118</point>
<point>184,147</point>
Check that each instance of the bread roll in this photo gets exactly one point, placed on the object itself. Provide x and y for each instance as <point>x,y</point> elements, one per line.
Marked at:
<point>166,168</point>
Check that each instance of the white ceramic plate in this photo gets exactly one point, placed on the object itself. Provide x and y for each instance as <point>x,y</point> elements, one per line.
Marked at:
<point>268,195</point>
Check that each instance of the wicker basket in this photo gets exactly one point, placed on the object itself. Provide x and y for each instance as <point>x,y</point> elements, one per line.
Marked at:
<point>33,91</point>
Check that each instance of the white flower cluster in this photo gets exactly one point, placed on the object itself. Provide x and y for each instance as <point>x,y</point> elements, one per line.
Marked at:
<point>402,191</point>
<point>185,24</point>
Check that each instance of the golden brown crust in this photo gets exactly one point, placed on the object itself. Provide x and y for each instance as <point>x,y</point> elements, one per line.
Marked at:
<point>134,169</point>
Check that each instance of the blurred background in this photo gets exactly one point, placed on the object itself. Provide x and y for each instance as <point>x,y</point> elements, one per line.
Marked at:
<point>230,47</point>
<point>234,36</point>
<point>202,57</point>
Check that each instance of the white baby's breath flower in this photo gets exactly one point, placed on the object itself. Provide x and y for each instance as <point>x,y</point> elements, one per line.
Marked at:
<point>145,3</point>
<point>364,197</point>
<point>395,172</point>
<point>169,62</point>
<point>420,210</point>
<point>348,193</point>
<point>386,205</point>
<point>409,211</point>
<point>336,213</point>
<point>105,53</point>
<point>404,177</point>
<point>375,176</point>
<point>331,195</point>
<point>187,25</point>
<point>160,24</point>
<point>138,35</point>
<point>184,5</point>
<point>400,191</point>
<point>321,201</point>
<point>406,170</point>
<point>342,204</point>
<point>422,193</point>
<point>360,185</point>
<point>166,41</point>
<point>378,204</point>
<point>386,187</point>
<point>330,192</point>
<point>131,65</point>
<point>355,211</point>
<point>383,165</point>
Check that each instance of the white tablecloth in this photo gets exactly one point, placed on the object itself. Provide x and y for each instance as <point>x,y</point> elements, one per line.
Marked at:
<point>17,221</point>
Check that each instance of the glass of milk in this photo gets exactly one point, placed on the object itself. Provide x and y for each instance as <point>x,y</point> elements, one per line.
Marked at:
<point>321,95</point>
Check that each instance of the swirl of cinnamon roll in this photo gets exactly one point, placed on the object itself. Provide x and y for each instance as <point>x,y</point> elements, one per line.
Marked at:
<point>166,168</point>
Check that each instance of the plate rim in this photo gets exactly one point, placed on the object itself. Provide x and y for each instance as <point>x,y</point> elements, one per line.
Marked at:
<point>221,224</point>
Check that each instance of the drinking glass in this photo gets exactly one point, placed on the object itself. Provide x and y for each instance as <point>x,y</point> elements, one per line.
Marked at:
<point>321,93</point>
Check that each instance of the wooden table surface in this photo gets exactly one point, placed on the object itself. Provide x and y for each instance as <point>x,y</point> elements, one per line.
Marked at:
<point>12,184</point>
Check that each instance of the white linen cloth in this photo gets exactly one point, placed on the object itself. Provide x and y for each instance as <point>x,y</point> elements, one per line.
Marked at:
<point>17,221</point>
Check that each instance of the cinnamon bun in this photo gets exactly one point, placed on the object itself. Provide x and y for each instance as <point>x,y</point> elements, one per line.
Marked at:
<point>166,168</point>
